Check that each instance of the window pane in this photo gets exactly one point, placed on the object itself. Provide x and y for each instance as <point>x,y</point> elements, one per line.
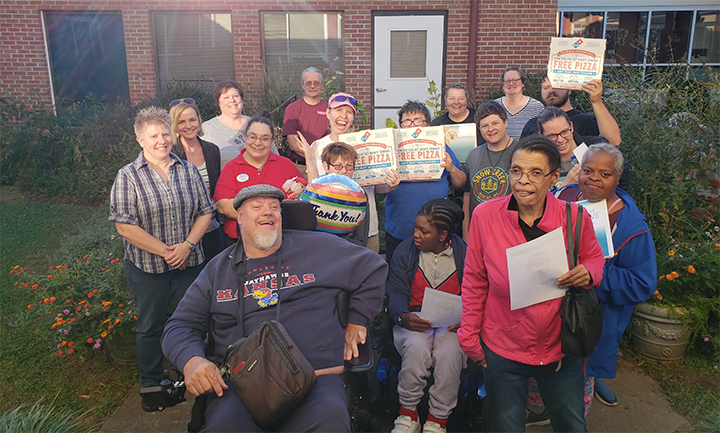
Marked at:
<point>583,24</point>
<point>296,41</point>
<point>408,50</point>
<point>87,55</point>
<point>706,42</point>
<point>625,34</point>
<point>193,46</point>
<point>669,36</point>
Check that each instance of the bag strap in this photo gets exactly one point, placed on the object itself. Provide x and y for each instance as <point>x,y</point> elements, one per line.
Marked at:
<point>573,241</point>
<point>241,275</point>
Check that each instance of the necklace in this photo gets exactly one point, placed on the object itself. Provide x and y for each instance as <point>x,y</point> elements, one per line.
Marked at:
<point>507,144</point>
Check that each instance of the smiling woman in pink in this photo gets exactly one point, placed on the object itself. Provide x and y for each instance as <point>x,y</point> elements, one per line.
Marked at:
<point>161,208</point>
<point>514,345</point>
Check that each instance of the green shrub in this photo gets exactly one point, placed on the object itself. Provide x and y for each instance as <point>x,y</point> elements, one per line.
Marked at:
<point>41,418</point>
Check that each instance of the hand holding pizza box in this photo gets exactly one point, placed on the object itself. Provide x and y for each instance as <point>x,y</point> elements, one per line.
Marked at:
<point>575,61</point>
<point>420,152</point>
<point>376,154</point>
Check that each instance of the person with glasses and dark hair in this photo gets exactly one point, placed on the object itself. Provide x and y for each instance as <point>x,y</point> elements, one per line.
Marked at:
<point>186,126</point>
<point>514,345</point>
<point>520,108</point>
<point>600,124</point>
<point>403,204</point>
<point>306,116</point>
<point>227,129</point>
<point>342,108</point>
<point>255,165</point>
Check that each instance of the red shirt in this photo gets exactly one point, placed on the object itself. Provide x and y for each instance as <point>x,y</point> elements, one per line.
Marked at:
<point>310,120</point>
<point>237,174</point>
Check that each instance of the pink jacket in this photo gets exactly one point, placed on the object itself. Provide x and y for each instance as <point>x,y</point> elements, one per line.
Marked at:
<point>530,335</point>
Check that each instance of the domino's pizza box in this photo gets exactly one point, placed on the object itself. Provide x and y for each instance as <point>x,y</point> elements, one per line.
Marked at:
<point>420,152</point>
<point>376,154</point>
<point>462,138</point>
<point>575,61</point>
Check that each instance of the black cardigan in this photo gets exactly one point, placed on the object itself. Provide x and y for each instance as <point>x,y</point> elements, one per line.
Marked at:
<point>211,153</point>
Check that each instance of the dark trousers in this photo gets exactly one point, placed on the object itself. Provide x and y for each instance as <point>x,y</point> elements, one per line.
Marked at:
<point>324,409</point>
<point>390,244</point>
<point>562,387</point>
<point>156,296</point>
<point>213,243</point>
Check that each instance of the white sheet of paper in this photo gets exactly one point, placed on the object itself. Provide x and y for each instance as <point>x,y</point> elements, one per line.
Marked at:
<point>579,152</point>
<point>533,268</point>
<point>601,224</point>
<point>441,308</point>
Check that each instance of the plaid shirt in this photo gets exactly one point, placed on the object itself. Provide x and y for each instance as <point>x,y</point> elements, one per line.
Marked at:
<point>167,211</point>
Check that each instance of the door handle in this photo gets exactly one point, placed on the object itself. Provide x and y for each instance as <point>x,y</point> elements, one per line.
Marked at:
<point>378,89</point>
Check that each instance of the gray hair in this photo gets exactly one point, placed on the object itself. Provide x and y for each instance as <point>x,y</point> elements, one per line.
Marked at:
<point>311,69</point>
<point>151,116</point>
<point>610,150</point>
<point>457,86</point>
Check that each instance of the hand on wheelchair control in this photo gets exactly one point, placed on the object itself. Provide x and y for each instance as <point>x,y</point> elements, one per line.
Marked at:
<point>354,335</point>
<point>413,322</point>
<point>202,376</point>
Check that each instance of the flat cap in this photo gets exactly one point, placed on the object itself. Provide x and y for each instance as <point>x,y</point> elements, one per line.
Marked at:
<point>261,190</point>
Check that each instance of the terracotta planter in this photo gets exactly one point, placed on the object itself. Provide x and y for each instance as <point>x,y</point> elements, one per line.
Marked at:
<point>657,335</point>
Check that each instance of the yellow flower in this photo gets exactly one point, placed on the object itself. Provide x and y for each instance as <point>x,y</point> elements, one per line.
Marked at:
<point>671,253</point>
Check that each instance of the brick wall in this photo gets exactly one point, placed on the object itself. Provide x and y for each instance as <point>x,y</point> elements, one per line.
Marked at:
<point>510,33</point>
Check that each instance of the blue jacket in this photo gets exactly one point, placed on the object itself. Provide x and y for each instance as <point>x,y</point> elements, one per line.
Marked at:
<point>630,277</point>
<point>404,266</point>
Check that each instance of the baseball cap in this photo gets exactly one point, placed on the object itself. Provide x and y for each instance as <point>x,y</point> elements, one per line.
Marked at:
<point>339,99</point>
<point>261,190</point>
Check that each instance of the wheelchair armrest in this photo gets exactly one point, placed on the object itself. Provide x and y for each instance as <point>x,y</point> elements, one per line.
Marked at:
<point>365,361</point>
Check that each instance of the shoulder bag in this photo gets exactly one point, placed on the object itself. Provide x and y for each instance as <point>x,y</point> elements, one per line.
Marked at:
<point>581,309</point>
<point>270,373</point>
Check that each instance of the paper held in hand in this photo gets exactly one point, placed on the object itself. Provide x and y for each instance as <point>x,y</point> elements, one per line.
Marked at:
<point>441,308</point>
<point>601,223</point>
<point>575,61</point>
<point>420,152</point>
<point>462,139</point>
<point>533,268</point>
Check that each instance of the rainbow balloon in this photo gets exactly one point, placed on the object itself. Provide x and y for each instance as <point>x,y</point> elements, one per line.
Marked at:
<point>339,202</point>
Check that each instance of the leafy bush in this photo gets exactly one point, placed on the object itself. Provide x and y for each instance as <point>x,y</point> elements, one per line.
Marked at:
<point>73,155</point>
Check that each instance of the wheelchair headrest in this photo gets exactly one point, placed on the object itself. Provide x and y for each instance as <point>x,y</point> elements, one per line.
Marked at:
<point>298,215</point>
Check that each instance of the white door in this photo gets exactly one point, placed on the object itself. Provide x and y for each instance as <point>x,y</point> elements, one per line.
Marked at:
<point>409,52</point>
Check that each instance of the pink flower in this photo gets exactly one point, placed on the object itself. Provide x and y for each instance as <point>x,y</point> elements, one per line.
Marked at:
<point>706,339</point>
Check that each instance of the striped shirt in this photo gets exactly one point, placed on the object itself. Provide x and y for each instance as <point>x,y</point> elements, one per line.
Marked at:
<point>516,122</point>
<point>167,211</point>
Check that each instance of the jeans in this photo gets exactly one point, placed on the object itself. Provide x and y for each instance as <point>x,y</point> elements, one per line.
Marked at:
<point>562,387</point>
<point>156,296</point>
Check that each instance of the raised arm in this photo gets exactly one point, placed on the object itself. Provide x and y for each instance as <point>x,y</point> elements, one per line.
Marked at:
<point>607,125</point>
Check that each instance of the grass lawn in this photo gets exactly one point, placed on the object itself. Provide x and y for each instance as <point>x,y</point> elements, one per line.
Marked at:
<point>35,235</point>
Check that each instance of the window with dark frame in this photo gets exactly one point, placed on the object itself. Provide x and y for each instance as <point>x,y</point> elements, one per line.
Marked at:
<point>87,55</point>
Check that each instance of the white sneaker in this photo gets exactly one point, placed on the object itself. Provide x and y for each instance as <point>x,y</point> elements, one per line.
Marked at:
<point>433,427</point>
<point>405,424</point>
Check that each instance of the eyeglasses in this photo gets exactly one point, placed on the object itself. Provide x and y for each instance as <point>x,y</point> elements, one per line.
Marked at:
<point>512,81</point>
<point>313,83</point>
<point>535,176</point>
<point>186,100</point>
<point>565,133</point>
<point>413,122</point>
<point>348,167</point>
<point>342,98</point>
<point>264,139</point>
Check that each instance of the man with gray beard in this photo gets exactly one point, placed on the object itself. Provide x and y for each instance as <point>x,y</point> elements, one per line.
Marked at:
<point>315,268</point>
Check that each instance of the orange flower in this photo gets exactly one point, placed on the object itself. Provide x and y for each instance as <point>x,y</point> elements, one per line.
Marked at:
<point>90,340</point>
<point>669,277</point>
<point>691,269</point>
<point>675,274</point>
<point>85,256</point>
<point>49,277</point>
<point>103,335</point>
<point>662,277</point>
<point>60,353</point>
<point>117,321</point>
<point>71,344</point>
<point>37,330</point>
<point>94,290</point>
<point>671,253</point>
<point>64,343</point>
<point>30,307</point>
<point>70,351</point>
<point>111,327</point>
<point>67,302</point>
<point>52,299</point>
<point>90,295</point>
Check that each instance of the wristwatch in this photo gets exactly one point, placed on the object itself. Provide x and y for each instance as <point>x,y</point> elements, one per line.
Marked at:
<point>398,319</point>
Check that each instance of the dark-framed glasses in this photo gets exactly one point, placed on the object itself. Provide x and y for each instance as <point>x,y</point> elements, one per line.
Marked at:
<point>512,81</point>
<point>535,175</point>
<point>413,122</point>
<point>565,133</point>
<point>185,100</point>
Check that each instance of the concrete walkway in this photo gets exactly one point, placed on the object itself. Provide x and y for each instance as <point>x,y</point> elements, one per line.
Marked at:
<point>642,408</point>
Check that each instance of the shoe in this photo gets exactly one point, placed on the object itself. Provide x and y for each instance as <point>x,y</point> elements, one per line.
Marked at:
<point>532,419</point>
<point>405,424</point>
<point>604,394</point>
<point>433,427</point>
